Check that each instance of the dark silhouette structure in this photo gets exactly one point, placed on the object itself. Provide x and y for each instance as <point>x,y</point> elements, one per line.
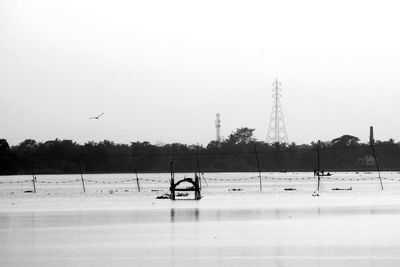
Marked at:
<point>195,186</point>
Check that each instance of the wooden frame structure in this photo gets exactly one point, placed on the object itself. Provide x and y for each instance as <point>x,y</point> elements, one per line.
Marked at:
<point>195,184</point>
<point>195,187</point>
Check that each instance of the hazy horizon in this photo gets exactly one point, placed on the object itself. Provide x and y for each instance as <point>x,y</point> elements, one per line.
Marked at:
<point>161,70</point>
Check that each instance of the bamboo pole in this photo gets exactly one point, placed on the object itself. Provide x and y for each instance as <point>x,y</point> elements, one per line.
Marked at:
<point>83,181</point>
<point>258,165</point>
<point>33,178</point>
<point>371,142</point>
<point>199,171</point>
<point>172,188</point>
<point>318,170</point>
<point>137,181</point>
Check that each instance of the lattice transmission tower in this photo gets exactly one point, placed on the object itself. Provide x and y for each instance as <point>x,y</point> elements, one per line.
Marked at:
<point>277,129</point>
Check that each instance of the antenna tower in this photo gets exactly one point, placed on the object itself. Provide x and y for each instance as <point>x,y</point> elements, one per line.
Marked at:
<point>218,128</point>
<point>277,129</point>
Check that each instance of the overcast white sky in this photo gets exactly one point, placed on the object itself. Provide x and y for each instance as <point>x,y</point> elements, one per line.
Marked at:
<point>160,70</point>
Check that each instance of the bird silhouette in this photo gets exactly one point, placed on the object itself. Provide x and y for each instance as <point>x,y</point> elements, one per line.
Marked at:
<point>96,117</point>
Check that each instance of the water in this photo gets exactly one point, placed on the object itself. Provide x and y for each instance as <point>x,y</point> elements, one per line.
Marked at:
<point>203,237</point>
<point>225,228</point>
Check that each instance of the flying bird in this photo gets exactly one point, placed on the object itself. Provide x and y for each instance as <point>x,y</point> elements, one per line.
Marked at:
<point>96,117</point>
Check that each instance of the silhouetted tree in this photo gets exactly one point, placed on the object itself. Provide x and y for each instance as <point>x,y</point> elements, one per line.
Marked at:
<point>345,140</point>
<point>4,146</point>
<point>242,135</point>
<point>234,154</point>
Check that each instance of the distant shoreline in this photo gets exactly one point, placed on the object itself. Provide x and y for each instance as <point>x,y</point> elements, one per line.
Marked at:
<point>205,172</point>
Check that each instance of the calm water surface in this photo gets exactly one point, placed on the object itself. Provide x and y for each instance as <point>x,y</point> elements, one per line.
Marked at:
<point>181,236</point>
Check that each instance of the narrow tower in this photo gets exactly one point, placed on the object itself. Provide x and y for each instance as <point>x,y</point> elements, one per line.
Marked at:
<point>218,128</point>
<point>276,129</point>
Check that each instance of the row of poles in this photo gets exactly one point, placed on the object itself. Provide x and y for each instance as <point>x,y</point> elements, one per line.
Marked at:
<point>81,175</point>
<point>319,174</point>
<point>371,142</point>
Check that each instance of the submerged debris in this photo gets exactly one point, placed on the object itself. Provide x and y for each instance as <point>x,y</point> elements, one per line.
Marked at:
<point>164,196</point>
<point>235,189</point>
<point>290,189</point>
<point>351,188</point>
<point>315,194</point>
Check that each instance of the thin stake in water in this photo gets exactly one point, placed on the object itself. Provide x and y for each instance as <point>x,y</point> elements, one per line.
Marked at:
<point>137,181</point>
<point>371,142</point>
<point>199,171</point>
<point>83,181</point>
<point>172,188</point>
<point>258,166</point>
<point>33,178</point>
<point>318,170</point>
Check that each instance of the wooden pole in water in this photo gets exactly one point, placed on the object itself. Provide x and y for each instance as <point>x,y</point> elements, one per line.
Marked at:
<point>80,170</point>
<point>197,194</point>
<point>137,181</point>
<point>318,171</point>
<point>258,165</point>
<point>172,188</point>
<point>199,171</point>
<point>371,142</point>
<point>33,178</point>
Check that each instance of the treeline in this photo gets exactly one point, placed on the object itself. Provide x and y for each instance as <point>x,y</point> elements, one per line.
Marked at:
<point>239,152</point>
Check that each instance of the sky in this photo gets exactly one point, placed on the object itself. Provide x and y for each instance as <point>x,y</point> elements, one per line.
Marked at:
<point>161,70</point>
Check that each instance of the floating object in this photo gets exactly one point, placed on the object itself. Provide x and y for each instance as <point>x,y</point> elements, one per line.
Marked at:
<point>28,191</point>
<point>290,189</point>
<point>235,189</point>
<point>315,194</point>
<point>321,173</point>
<point>351,188</point>
<point>155,190</point>
<point>165,196</point>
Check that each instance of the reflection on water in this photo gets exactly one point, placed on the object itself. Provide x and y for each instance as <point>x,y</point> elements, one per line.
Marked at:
<point>186,215</point>
<point>82,218</point>
<point>328,236</point>
<point>87,218</point>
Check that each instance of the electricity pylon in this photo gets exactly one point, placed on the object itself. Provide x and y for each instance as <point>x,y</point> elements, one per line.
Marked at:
<point>277,129</point>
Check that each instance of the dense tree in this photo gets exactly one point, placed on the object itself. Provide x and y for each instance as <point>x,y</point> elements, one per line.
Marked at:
<point>234,154</point>
<point>4,146</point>
<point>242,135</point>
<point>345,140</point>
<point>26,146</point>
<point>6,158</point>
